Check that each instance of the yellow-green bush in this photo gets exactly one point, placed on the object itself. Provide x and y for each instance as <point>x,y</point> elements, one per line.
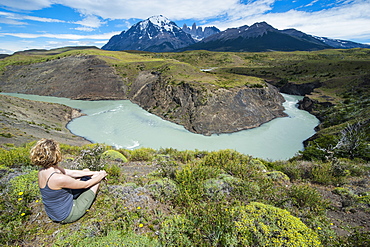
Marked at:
<point>232,162</point>
<point>114,155</point>
<point>142,154</point>
<point>278,176</point>
<point>307,199</point>
<point>14,206</point>
<point>176,231</point>
<point>258,224</point>
<point>25,186</point>
<point>15,157</point>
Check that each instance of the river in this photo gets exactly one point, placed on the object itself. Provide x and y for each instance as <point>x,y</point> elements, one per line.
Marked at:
<point>125,125</point>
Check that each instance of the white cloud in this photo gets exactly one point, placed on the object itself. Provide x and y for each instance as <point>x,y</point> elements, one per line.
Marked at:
<point>142,9</point>
<point>26,4</point>
<point>12,22</point>
<point>89,23</point>
<point>60,36</point>
<point>12,18</point>
<point>349,21</point>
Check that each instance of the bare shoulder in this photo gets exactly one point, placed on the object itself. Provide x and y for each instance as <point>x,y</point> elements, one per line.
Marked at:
<point>58,181</point>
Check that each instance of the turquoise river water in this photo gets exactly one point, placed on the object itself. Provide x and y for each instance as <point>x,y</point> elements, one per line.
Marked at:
<point>125,125</point>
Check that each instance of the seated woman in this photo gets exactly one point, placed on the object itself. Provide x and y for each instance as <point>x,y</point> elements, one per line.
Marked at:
<point>57,185</point>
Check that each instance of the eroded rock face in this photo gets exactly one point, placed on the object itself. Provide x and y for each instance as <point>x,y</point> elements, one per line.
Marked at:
<point>200,108</point>
<point>300,89</point>
<point>75,77</point>
<point>205,109</point>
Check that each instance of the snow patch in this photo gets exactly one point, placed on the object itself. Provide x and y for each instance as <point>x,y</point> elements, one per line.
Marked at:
<point>162,22</point>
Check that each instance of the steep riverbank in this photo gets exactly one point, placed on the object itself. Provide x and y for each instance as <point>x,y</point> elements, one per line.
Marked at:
<point>23,121</point>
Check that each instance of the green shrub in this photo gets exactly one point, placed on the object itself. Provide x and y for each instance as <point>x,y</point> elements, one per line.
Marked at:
<point>307,199</point>
<point>204,224</point>
<point>190,182</point>
<point>348,197</point>
<point>26,185</point>
<point>177,231</point>
<point>329,173</point>
<point>233,163</point>
<point>258,224</point>
<point>91,157</point>
<point>164,190</point>
<point>181,156</point>
<point>278,176</point>
<point>217,188</point>
<point>114,155</point>
<point>142,154</point>
<point>14,206</point>
<point>15,157</point>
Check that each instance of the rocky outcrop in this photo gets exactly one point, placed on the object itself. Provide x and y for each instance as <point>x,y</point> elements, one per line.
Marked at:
<point>300,89</point>
<point>204,109</point>
<point>200,108</point>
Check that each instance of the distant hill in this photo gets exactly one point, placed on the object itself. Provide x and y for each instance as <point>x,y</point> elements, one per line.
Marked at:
<point>159,34</point>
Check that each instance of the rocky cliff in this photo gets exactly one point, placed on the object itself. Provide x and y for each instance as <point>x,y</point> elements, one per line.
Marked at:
<point>200,108</point>
<point>204,109</point>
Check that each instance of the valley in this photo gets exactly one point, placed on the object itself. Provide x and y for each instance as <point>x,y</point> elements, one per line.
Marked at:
<point>324,189</point>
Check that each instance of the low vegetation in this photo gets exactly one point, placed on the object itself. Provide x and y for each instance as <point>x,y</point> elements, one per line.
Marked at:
<point>192,198</point>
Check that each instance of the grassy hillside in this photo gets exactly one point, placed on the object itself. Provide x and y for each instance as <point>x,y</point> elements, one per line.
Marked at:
<point>192,198</point>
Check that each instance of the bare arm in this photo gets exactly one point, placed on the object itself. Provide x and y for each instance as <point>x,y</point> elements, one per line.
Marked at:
<point>62,181</point>
<point>79,173</point>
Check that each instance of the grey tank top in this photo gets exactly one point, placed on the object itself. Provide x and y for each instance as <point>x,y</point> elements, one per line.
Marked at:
<point>58,203</point>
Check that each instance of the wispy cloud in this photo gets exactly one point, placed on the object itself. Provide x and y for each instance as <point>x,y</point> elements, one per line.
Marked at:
<point>27,4</point>
<point>89,23</point>
<point>348,21</point>
<point>13,18</point>
<point>60,36</point>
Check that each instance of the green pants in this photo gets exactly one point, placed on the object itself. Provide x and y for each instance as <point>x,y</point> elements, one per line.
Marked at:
<point>80,206</point>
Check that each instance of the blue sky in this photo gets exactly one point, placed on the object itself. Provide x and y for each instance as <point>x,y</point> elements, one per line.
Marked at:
<point>47,24</point>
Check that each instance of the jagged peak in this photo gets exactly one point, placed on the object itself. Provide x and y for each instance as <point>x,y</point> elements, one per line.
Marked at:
<point>160,22</point>
<point>262,24</point>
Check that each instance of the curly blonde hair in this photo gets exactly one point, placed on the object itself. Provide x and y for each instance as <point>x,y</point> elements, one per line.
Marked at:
<point>46,153</point>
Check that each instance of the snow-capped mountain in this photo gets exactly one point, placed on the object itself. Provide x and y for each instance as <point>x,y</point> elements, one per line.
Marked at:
<point>155,34</point>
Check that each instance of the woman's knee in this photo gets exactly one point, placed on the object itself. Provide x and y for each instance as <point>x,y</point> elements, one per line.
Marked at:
<point>95,188</point>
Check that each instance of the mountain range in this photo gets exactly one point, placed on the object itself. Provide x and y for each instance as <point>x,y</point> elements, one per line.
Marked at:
<point>159,34</point>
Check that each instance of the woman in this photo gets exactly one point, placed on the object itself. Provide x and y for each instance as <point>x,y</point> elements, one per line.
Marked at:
<point>58,184</point>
